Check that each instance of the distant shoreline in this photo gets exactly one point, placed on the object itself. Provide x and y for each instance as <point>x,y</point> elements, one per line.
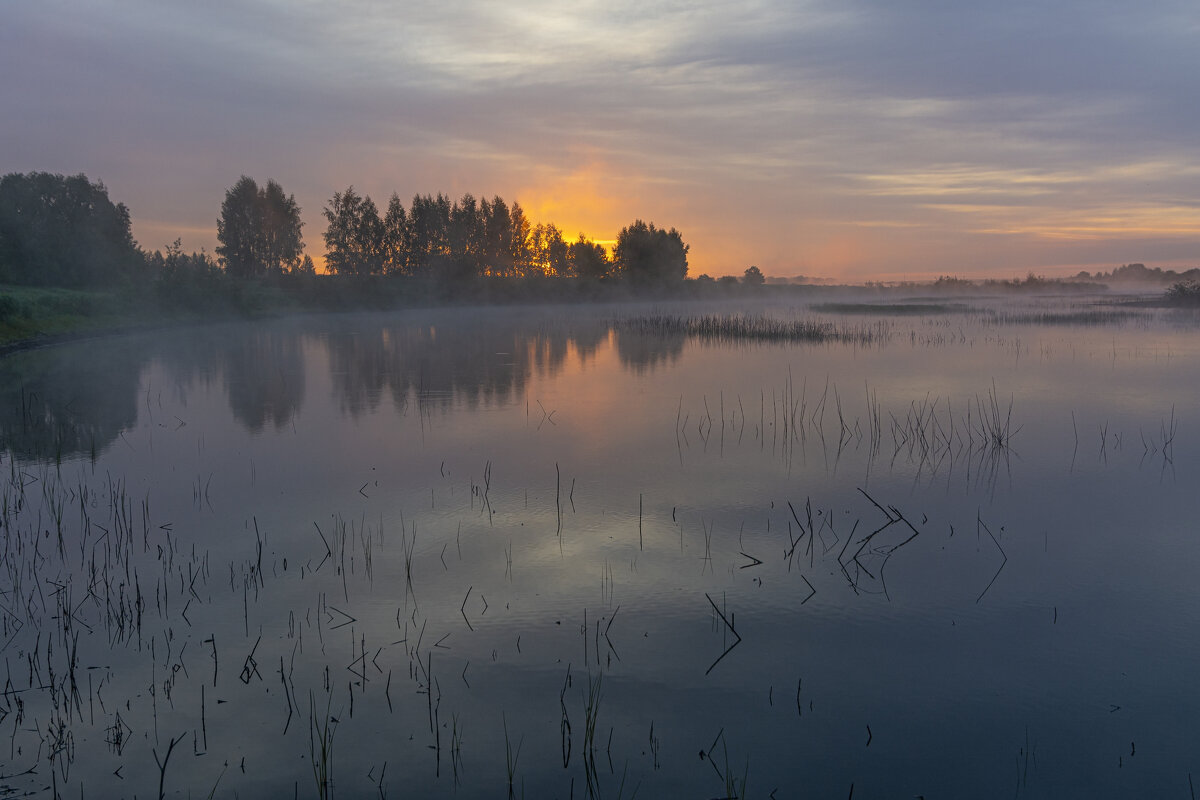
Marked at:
<point>42,317</point>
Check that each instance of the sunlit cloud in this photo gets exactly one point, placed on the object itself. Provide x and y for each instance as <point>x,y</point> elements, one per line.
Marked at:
<point>769,133</point>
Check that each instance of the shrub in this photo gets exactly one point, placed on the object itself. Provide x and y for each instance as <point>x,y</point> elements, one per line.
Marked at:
<point>1184,293</point>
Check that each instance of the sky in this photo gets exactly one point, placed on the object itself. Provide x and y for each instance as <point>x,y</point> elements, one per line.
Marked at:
<point>847,139</point>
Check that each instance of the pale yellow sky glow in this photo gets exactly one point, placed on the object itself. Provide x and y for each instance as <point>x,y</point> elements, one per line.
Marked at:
<point>852,139</point>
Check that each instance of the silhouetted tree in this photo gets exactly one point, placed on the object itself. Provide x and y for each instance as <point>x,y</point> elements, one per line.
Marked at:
<point>753,277</point>
<point>182,279</point>
<point>466,237</point>
<point>356,238</point>
<point>57,231</point>
<point>428,224</point>
<point>396,238</point>
<point>520,244</point>
<point>647,255</point>
<point>588,259</point>
<point>469,238</point>
<point>550,253</point>
<point>259,230</point>
<point>497,237</point>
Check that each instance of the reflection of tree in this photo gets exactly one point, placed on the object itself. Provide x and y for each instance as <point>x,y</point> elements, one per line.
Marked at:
<point>63,401</point>
<point>71,399</point>
<point>641,351</point>
<point>455,360</point>
<point>264,373</point>
<point>588,340</point>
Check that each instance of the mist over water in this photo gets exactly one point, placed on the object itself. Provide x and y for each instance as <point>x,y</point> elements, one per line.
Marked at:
<point>582,551</point>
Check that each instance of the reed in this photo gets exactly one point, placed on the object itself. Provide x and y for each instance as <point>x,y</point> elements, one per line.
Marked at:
<point>738,327</point>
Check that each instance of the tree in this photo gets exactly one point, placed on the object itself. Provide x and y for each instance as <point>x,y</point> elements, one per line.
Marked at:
<point>497,236</point>
<point>428,226</point>
<point>396,238</point>
<point>259,230</point>
<point>753,277</point>
<point>466,236</point>
<point>356,241</point>
<point>58,231</point>
<point>588,259</point>
<point>520,244</point>
<point>646,255</point>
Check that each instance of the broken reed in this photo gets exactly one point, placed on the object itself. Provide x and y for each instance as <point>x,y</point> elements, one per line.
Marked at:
<point>739,327</point>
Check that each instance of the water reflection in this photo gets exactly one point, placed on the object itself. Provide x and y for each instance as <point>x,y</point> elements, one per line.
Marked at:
<point>264,375</point>
<point>457,362</point>
<point>77,399</point>
<point>732,537</point>
<point>642,352</point>
<point>60,402</point>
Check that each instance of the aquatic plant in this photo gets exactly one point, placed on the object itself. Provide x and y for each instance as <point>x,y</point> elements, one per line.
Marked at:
<point>734,327</point>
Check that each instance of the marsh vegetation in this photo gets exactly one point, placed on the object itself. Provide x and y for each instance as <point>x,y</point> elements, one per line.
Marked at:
<point>637,549</point>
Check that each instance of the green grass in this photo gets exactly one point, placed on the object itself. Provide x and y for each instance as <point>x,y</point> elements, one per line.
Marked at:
<point>32,312</point>
<point>30,315</point>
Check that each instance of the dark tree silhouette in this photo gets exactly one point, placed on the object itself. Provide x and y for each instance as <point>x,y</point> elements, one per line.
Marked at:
<point>550,252</point>
<point>396,233</point>
<point>646,255</point>
<point>356,241</point>
<point>588,259</point>
<point>57,231</point>
<point>753,277</point>
<point>459,241</point>
<point>259,230</point>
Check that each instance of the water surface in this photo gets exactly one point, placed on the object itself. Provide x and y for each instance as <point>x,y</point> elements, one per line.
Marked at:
<point>547,547</point>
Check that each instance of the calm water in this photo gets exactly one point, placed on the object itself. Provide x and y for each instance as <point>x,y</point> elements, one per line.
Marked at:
<point>544,547</point>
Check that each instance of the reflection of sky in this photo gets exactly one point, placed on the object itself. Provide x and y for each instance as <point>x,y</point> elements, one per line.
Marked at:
<point>1091,609</point>
<point>857,139</point>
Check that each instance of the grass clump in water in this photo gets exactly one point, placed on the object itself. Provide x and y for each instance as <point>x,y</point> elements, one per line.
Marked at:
<point>893,309</point>
<point>737,327</point>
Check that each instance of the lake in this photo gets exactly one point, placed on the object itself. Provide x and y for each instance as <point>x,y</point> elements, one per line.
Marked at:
<point>940,548</point>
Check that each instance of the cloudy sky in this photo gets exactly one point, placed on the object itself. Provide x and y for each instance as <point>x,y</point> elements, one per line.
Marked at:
<point>857,139</point>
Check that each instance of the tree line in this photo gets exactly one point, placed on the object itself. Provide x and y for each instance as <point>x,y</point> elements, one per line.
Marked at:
<point>65,231</point>
<point>60,231</point>
<point>469,238</point>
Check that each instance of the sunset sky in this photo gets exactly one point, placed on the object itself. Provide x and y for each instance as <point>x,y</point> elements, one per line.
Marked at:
<point>853,139</point>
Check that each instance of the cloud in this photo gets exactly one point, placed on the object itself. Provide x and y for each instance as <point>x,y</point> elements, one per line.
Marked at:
<point>752,126</point>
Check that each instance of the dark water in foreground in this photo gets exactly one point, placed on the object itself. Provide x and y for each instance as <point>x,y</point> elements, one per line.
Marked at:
<point>538,548</point>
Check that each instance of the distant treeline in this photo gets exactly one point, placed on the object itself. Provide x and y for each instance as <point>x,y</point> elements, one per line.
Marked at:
<point>66,232</point>
<point>469,238</point>
<point>58,231</point>
<point>1140,273</point>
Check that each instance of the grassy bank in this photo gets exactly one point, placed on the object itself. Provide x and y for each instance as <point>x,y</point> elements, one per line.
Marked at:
<point>33,313</point>
<point>36,315</point>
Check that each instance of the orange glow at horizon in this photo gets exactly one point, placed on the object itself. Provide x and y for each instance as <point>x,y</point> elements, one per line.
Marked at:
<point>579,202</point>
